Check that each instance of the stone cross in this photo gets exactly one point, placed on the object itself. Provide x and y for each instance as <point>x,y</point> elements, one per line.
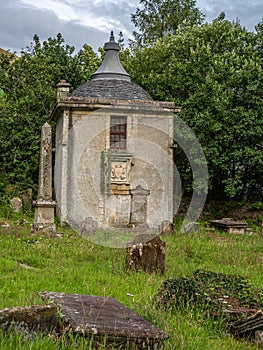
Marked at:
<point>44,206</point>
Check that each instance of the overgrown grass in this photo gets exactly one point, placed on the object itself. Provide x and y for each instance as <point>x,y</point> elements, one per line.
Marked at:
<point>35,262</point>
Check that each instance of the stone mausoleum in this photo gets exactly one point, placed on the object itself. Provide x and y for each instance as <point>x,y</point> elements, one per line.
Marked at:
<point>114,159</point>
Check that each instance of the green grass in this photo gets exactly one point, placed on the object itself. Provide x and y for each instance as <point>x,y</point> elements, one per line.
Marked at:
<point>35,262</point>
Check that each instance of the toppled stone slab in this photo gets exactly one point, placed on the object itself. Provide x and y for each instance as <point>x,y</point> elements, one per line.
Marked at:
<point>105,319</point>
<point>146,253</point>
<point>34,318</point>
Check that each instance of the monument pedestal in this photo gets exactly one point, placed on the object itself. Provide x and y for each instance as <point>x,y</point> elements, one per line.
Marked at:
<point>44,216</point>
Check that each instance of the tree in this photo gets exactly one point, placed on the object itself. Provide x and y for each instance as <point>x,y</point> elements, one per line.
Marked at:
<point>158,17</point>
<point>27,99</point>
<point>215,73</point>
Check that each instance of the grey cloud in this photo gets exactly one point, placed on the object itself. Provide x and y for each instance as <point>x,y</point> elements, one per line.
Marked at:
<point>249,13</point>
<point>18,25</point>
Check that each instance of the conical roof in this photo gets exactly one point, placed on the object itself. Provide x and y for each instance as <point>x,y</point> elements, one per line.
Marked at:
<point>111,67</point>
<point>111,80</point>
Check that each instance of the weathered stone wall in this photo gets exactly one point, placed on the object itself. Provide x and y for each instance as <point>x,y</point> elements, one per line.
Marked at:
<point>79,172</point>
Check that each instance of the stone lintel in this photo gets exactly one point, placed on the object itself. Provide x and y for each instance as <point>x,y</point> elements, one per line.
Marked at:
<point>98,103</point>
<point>120,189</point>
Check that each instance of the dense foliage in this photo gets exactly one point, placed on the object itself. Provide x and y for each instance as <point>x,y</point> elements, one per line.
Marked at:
<point>214,72</point>
<point>27,98</point>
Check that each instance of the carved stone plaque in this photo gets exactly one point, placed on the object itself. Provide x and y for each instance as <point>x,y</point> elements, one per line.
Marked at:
<point>119,172</point>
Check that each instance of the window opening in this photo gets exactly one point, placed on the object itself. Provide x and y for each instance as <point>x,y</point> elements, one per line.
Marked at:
<point>118,132</point>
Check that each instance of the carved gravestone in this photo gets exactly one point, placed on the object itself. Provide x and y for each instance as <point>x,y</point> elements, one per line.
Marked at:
<point>146,252</point>
<point>44,206</point>
<point>139,206</point>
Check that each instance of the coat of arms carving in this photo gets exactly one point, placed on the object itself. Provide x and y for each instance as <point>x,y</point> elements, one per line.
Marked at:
<point>119,172</point>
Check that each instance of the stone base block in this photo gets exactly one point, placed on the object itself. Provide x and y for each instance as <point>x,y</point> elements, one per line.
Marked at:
<point>28,319</point>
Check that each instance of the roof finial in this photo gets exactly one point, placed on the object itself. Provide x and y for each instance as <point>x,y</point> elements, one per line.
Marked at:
<point>112,36</point>
<point>111,67</point>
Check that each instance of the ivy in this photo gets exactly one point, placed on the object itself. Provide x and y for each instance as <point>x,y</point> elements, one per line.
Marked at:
<point>208,290</point>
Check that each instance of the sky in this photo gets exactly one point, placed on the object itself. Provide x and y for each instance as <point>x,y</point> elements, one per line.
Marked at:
<point>90,21</point>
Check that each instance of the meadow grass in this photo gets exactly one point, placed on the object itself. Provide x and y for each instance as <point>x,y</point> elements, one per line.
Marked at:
<point>35,262</point>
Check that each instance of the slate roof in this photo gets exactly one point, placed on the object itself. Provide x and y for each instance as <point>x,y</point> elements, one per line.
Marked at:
<point>111,80</point>
<point>112,88</point>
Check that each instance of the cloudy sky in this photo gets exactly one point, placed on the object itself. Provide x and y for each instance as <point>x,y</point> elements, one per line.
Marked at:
<point>90,21</point>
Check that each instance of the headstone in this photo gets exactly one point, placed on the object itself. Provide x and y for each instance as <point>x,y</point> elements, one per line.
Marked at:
<point>44,206</point>
<point>16,205</point>
<point>146,253</point>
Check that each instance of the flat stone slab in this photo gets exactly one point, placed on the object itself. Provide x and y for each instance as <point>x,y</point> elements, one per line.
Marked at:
<point>105,318</point>
<point>230,225</point>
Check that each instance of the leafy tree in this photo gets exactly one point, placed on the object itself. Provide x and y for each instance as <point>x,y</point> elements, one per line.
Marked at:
<point>158,17</point>
<point>28,97</point>
<point>215,73</point>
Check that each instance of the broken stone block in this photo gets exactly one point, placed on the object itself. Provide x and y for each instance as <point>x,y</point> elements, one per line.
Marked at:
<point>28,319</point>
<point>146,253</point>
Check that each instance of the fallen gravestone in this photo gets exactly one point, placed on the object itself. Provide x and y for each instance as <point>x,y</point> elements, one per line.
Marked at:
<point>105,320</point>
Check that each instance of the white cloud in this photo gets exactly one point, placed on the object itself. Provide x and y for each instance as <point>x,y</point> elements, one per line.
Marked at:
<point>63,11</point>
